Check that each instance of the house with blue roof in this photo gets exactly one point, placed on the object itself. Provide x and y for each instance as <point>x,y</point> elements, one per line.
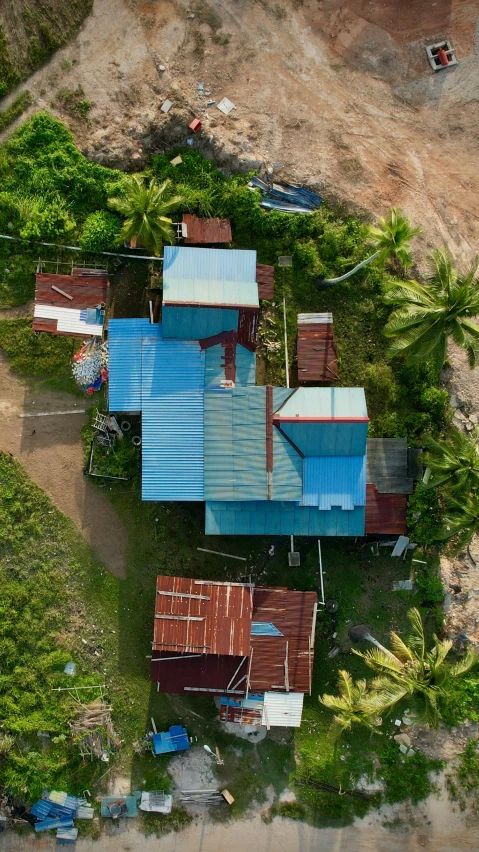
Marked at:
<point>264,460</point>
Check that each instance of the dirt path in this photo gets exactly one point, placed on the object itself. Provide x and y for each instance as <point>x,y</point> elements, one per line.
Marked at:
<point>51,450</point>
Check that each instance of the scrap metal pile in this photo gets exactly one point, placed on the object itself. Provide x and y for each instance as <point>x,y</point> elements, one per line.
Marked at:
<point>90,366</point>
<point>285,197</point>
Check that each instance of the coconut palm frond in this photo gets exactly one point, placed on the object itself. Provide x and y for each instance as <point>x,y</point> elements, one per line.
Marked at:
<point>417,639</point>
<point>400,649</point>
<point>467,662</point>
<point>379,660</point>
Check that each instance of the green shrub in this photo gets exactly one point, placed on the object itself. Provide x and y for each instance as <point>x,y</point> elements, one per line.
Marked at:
<point>424,516</point>
<point>435,402</point>
<point>380,387</point>
<point>17,280</point>
<point>100,231</point>
<point>48,221</point>
<point>429,583</point>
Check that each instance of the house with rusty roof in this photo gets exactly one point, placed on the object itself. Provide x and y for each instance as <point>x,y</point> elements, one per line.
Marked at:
<point>70,305</point>
<point>265,460</point>
<point>251,646</point>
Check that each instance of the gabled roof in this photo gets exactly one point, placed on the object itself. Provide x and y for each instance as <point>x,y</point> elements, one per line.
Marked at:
<point>197,616</point>
<point>209,277</point>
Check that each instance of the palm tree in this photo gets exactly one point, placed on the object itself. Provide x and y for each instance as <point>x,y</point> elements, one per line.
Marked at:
<point>410,670</point>
<point>390,238</point>
<point>455,462</point>
<point>353,705</point>
<point>426,315</point>
<point>461,520</point>
<point>144,207</point>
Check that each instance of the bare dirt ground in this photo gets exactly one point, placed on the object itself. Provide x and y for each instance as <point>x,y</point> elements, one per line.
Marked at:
<point>51,450</point>
<point>434,824</point>
<point>341,95</point>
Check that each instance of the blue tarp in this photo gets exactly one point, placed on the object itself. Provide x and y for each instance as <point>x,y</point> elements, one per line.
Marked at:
<point>176,739</point>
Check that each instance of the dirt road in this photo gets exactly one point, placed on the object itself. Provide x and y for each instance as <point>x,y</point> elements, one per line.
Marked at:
<point>433,824</point>
<point>339,95</point>
<point>51,450</point>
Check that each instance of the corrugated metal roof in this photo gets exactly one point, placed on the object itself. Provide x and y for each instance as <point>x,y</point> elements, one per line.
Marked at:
<point>385,513</point>
<point>265,281</point>
<point>196,276</point>
<point>199,616</point>
<point>124,354</point>
<point>206,230</point>
<point>328,439</point>
<point>387,465</point>
<point>292,614</point>
<point>334,481</point>
<point>317,354</point>
<point>283,710</point>
<point>309,319</point>
<point>197,323</point>
<point>87,291</point>
<point>68,321</point>
<point>245,362</point>
<point>212,672</point>
<point>172,420</point>
<point>235,449</point>
<point>277,518</point>
<point>331,403</point>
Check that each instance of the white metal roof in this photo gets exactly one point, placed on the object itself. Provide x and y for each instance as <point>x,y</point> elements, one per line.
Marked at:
<point>282,709</point>
<point>68,319</point>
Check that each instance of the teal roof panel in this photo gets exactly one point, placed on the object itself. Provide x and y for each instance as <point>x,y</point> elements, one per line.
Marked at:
<point>281,518</point>
<point>197,323</point>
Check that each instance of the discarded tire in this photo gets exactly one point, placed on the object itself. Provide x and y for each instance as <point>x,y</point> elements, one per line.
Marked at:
<point>331,606</point>
<point>125,425</point>
<point>136,441</point>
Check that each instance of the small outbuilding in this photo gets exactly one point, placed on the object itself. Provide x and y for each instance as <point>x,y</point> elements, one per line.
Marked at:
<point>317,353</point>
<point>71,305</point>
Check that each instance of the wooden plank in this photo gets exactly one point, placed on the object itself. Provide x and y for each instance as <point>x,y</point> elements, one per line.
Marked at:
<point>184,595</point>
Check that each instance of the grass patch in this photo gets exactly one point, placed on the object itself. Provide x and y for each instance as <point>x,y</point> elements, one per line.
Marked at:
<point>29,354</point>
<point>73,102</point>
<point>19,105</point>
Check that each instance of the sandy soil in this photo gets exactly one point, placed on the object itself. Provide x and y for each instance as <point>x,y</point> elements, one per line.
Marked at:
<point>339,94</point>
<point>51,450</point>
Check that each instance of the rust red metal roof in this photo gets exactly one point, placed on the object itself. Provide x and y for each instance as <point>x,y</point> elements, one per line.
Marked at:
<point>385,513</point>
<point>206,231</point>
<point>317,354</point>
<point>240,715</point>
<point>265,281</point>
<point>208,673</point>
<point>194,616</point>
<point>292,614</point>
<point>87,291</point>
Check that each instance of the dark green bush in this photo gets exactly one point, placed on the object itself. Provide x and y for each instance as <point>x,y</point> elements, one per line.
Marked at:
<point>406,777</point>
<point>462,700</point>
<point>424,516</point>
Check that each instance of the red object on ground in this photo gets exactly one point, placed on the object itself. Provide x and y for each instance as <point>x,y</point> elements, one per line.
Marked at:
<point>442,55</point>
<point>195,125</point>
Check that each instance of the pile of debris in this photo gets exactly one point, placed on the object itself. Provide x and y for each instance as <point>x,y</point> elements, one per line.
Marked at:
<point>90,366</point>
<point>93,721</point>
<point>285,197</point>
<point>57,810</point>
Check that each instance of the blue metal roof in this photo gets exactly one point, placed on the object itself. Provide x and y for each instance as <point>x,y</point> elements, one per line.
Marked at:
<point>235,449</point>
<point>197,323</point>
<point>172,420</point>
<point>198,276</point>
<point>328,439</point>
<point>215,371</point>
<point>264,628</point>
<point>334,481</point>
<point>124,355</point>
<point>276,518</point>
